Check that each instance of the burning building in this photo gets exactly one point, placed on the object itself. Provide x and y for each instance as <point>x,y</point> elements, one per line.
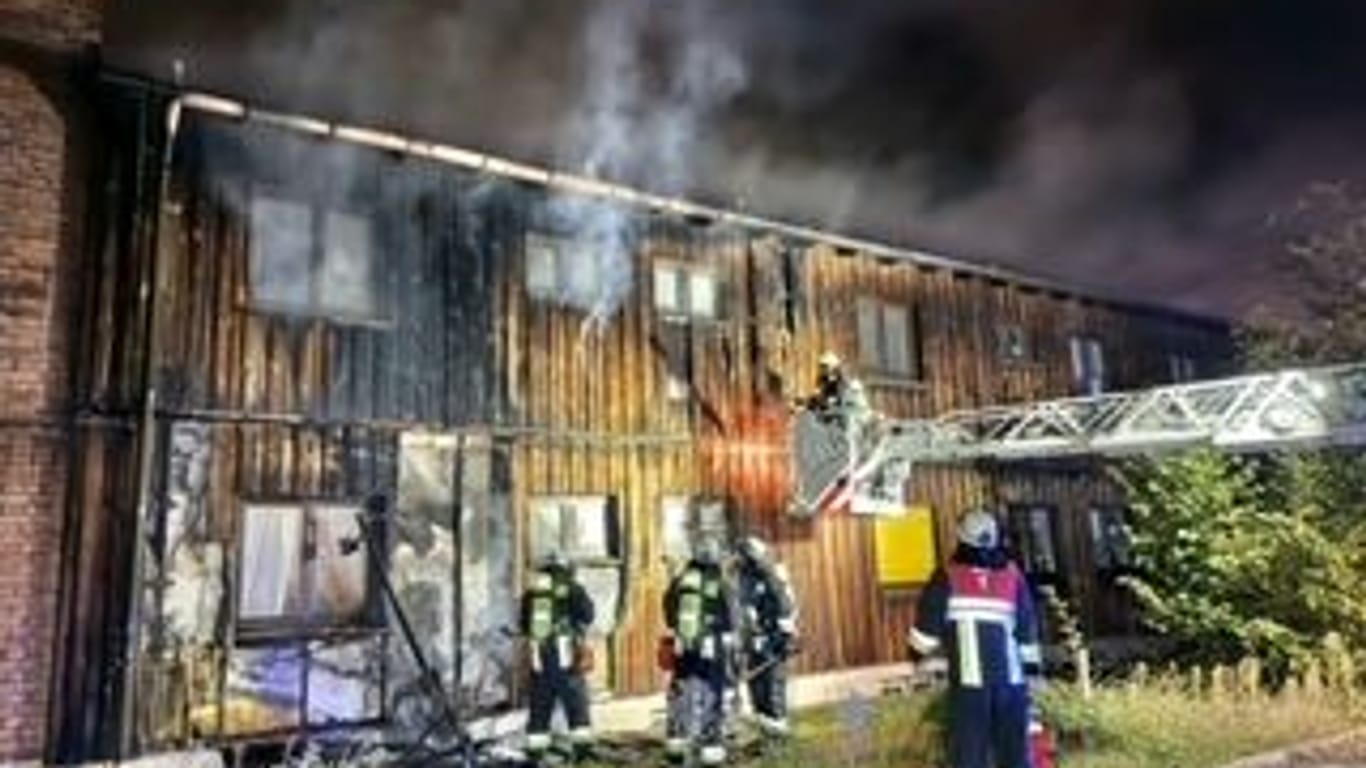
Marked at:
<point>270,318</point>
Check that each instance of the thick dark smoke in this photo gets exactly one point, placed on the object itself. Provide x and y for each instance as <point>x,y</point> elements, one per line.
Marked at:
<point>1134,146</point>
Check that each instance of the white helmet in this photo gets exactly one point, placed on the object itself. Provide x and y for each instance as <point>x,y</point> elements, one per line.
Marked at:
<point>755,549</point>
<point>978,528</point>
<point>829,360</point>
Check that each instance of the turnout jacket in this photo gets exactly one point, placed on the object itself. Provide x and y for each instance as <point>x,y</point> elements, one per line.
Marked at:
<point>981,614</point>
<point>555,606</point>
<point>770,608</point>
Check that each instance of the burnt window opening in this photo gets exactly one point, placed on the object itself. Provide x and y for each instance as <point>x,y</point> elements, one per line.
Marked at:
<point>1088,365</point>
<point>309,644</point>
<point>1033,538</point>
<point>1111,540</point>
<point>792,288</point>
<point>889,339</point>
<point>687,292</point>
<point>308,260</point>
<point>1181,368</point>
<point>587,531</point>
<point>1012,344</point>
<point>672,345</point>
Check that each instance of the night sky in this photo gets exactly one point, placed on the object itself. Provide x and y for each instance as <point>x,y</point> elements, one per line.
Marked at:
<point>1134,147</point>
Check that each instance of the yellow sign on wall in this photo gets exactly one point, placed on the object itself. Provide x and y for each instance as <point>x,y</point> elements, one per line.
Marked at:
<point>906,552</point>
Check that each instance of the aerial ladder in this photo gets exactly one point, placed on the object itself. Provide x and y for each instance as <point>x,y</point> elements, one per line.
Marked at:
<point>840,463</point>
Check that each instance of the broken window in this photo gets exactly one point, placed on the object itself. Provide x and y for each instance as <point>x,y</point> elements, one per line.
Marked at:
<point>686,291</point>
<point>888,338</point>
<point>308,261</point>
<point>288,685</point>
<point>1088,365</point>
<point>300,567</point>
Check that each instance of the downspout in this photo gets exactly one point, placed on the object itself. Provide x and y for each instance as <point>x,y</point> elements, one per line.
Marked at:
<point>146,439</point>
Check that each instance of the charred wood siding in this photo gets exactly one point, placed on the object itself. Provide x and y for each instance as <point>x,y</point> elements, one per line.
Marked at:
<point>580,406</point>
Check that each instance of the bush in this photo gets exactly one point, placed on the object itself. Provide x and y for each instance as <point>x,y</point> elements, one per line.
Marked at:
<point>1239,556</point>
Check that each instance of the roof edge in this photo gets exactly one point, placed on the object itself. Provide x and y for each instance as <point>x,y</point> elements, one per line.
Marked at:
<point>234,108</point>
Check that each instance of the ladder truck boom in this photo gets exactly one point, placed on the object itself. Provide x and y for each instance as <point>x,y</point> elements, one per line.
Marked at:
<point>836,461</point>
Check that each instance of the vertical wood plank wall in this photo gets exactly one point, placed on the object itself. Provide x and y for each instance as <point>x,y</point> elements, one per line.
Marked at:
<point>581,409</point>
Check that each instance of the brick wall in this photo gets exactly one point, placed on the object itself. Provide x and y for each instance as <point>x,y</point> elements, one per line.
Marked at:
<point>41,181</point>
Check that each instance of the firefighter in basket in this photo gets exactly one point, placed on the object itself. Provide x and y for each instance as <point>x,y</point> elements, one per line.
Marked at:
<point>557,613</point>
<point>697,649</point>
<point>978,610</point>
<point>837,396</point>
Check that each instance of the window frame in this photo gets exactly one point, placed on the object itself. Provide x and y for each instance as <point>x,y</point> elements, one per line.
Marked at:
<point>368,620</point>
<point>1020,518</point>
<point>685,272</point>
<point>318,212</point>
<point>561,292</point>
<point>1099,537</point>
<point>880,368</point>
<point>615,539</point>
<point>1080,347</point>
<point>1181,367</point>
<point>1004,348</point>
<point>693,523</point>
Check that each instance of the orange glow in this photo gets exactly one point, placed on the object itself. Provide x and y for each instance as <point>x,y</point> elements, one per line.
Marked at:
<point>750,462</point>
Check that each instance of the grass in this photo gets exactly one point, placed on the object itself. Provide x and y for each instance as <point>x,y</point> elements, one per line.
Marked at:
<point>1162,723</point>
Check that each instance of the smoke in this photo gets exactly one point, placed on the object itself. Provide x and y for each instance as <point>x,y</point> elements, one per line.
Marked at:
<point>641,112</point>
<point>1128,146</point>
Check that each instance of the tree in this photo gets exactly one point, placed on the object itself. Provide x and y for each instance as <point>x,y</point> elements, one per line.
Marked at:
<point>1268,555</point>
<point>1240,556</point>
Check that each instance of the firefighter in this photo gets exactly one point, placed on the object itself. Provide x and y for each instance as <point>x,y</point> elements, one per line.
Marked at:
<point>978,610</point>
<point>556,615</point>
<point>698,612</point>
<point>837,395</point>
<point>770,633</point>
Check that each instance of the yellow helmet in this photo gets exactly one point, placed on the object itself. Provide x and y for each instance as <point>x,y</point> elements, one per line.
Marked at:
<point>830,360</point>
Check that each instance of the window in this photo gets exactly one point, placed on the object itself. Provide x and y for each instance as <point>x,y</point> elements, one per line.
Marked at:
<point>298,567</point>
<point>906,553</point>
<point>1110,542</point>
<point>1012,344</point>
<point>313,262</point>
<point>686,291</point>
<point>303,570</point>
<point>889,338</point>
<point>688,521</point>
<point>564,270</point>
<point>1088,365</point>
<point>586,529</point>
<point>1181,368</point>
<point>1033,538</point>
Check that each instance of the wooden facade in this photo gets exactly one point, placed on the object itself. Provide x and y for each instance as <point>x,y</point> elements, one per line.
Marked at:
<point>305,407</point>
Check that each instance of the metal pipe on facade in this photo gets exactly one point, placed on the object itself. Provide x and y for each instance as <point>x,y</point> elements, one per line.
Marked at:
<point>147,422</point>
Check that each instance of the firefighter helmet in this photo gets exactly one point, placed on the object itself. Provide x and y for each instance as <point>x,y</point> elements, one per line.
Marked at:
<point>978,528</point>
<point>553,560</point>
<point>753,548</point>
